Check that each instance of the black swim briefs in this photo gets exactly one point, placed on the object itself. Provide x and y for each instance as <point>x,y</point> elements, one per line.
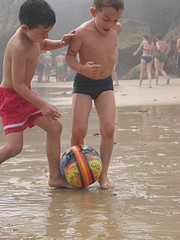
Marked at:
<point>90,86</point>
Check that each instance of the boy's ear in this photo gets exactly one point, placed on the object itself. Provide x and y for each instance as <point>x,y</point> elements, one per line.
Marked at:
<point>93,11</point>
<point>24,28</point>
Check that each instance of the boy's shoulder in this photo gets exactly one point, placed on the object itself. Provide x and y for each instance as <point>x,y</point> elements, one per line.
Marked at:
<point>17,42</point>
<point>118,27</point>
<point>83,30</point>
<point>84,26</point>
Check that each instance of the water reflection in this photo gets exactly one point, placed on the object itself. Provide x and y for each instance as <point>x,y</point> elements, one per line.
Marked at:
<point>85,215</point>
<point>145,169</point>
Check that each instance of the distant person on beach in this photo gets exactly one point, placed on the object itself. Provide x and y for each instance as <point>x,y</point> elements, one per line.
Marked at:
<point>96,42</point>
<point>20,107</point>
<point>40,66</point>
<point>48,63</point>
<point>147,58</point>
<point>161,51</point>
<point>59,63</point>
<point>177,52</point>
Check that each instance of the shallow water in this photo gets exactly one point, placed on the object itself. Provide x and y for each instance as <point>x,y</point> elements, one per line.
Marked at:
<point>145,169</point>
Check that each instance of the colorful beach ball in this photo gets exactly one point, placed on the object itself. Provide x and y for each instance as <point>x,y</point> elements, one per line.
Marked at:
<point>81,166</point>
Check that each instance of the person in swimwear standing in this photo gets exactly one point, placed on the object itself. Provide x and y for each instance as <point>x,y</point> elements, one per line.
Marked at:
<point>177,52</point>
<point>161,52</point>
<point>96,42</point>
<point>40,66</point>
<point>48,62</point>
<point>59,63</point>
<point>147,57</point>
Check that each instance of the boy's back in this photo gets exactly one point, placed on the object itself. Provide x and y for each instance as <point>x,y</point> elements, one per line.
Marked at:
<point>25,53</point>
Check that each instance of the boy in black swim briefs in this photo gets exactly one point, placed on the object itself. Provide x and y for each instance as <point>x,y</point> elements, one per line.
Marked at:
<point>96,42</point>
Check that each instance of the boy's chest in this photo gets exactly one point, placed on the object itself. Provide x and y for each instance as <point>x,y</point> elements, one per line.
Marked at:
<point>100,41</point>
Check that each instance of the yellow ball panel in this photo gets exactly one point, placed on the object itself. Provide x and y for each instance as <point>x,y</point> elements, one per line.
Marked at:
<point>72,175</point>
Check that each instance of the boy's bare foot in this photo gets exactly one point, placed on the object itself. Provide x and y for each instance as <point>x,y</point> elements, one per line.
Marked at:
<point>104,183</point>
<point>60,183</point>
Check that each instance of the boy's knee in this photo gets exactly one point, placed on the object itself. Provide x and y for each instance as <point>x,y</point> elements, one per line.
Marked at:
<point>108,130</point>
<point>56,128</point>
<point>14,149</point>
<point>79,132</point>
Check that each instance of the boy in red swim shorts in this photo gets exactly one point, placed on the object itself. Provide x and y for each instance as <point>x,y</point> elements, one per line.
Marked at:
<point>19,106</point>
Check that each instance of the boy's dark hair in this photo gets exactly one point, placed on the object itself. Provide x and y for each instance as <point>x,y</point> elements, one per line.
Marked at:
<point>35,12</point>
<point>116,4</point>
<point>159,36</point>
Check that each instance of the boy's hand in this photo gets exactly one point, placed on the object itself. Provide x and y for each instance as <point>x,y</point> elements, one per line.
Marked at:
<point>50,112</point>
<point>67,38</point>
<point>90,69</point>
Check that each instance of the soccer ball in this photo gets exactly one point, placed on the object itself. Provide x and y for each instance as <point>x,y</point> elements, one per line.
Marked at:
<point>80,166</point>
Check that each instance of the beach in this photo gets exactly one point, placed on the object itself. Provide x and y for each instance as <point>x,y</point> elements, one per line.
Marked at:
<point>129,94</point>
<point>145,169</point>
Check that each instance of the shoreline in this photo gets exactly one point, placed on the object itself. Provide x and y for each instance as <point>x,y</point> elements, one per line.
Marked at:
<point>129,94</point>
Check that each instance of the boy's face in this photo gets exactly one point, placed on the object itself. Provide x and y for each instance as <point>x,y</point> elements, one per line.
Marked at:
<point>106,19</point>
<point>37,34</point>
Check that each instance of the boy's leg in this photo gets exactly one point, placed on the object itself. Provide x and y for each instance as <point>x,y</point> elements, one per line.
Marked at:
<point>13,146</point>
<point>53,130</point>
<point>105,106</point>
<point>81,107</point>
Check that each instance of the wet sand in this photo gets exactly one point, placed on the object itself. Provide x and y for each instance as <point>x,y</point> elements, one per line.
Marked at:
<point>145,169</point>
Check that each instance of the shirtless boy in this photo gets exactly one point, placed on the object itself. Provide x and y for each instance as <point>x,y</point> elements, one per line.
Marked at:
<point>19,106</point>
<point>96,42</point>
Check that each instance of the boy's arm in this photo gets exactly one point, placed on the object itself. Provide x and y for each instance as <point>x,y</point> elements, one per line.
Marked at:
<point>48,44</point>
<point>88,69</point>
<point>72,51</point>
<point>18,81</point>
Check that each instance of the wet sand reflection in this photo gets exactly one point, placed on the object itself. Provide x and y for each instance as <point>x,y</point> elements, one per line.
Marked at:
<point>145,169</point>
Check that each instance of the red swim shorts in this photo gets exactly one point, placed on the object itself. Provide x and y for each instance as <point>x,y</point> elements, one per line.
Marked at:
<point>16,112</point>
